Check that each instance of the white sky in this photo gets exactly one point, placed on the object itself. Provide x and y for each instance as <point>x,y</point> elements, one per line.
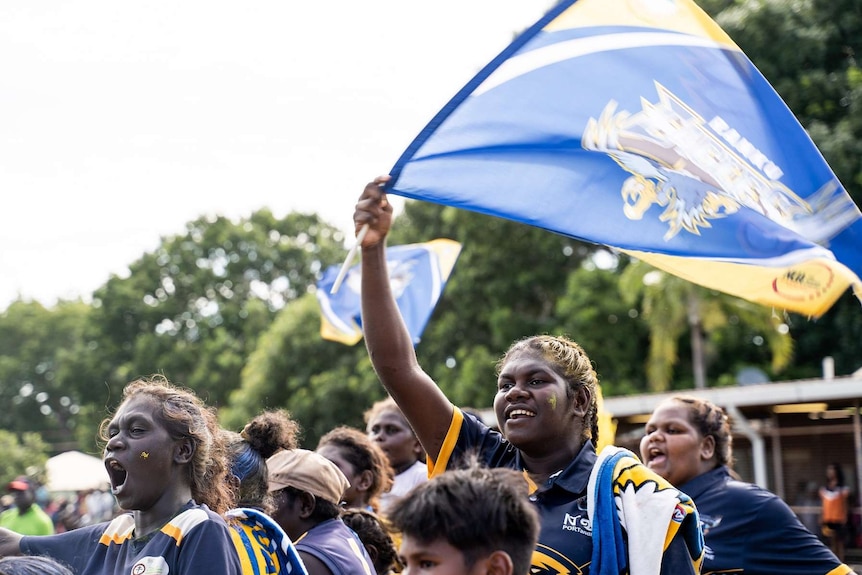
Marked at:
<point>122,121</point>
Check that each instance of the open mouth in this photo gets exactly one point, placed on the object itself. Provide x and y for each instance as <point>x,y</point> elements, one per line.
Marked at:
<point>655,457</point>
<point>117,475</point>
<point>520,414</point>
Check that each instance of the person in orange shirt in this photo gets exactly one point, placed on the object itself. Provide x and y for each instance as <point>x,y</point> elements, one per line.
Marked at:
<point>834,497</point>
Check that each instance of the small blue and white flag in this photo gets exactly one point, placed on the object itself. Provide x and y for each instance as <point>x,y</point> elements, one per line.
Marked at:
<point>417,274</point>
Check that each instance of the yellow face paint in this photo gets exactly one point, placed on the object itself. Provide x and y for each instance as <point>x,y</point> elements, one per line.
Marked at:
<point>553,401</point>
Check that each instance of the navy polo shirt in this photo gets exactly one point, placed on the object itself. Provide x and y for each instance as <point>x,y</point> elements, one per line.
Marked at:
<point>196,540</point>
<point>565,539</point>
<point>750,530</point>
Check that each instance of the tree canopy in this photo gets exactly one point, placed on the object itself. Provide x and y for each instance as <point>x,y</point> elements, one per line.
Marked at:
<point>227,307</point>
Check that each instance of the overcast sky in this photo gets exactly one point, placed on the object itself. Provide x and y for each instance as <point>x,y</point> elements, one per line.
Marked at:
<point>122,121</point>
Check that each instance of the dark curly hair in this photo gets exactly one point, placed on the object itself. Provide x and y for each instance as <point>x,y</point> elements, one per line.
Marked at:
<point>364,455</point>
<point>32,565</point>
<point>477,510</point>
<point>248,451</point>
<point>184,415</point>
<point>374,534</point>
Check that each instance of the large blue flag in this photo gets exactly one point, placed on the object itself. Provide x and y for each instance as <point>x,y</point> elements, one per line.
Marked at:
<point>417,274</point>
<point>640,125</point>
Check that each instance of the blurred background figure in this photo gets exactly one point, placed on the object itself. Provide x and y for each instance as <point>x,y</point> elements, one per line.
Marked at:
<point>101,506</point>
<point>388,427</point>
<point>65,515</point>
<point>363,463</point>
<point>26,517</point>
<point>835,497</point>
<point>808,505</point>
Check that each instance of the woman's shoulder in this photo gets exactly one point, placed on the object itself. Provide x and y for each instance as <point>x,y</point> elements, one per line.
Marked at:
<point>758,502</point>
<point>194,515</point>
<point>211,515</point>
<point>748,491</point>
<point>718,489</point>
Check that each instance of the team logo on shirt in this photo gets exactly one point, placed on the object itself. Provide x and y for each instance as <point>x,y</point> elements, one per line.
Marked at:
<point>578,523</point>
<point>151,566</point>
<point>547,561</point>
<point>707,522</point>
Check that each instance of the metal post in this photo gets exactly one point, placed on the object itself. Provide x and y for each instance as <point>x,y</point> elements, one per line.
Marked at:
<point>828,364</point>
<point>777,459</point>
<point>758,451</point>
<point>857,444</point>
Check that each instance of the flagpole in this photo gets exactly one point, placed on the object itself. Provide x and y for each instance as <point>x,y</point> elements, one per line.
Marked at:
<point>348,260</point>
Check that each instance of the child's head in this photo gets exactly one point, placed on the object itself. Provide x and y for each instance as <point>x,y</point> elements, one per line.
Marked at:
<point>248,451</point>
<point>374,536</point>
<point>156,428</point>
<point>363,463</point>
<point>835,473</point>
<point>466,517</point>
<point>388,427</point>
<point>32,565</point>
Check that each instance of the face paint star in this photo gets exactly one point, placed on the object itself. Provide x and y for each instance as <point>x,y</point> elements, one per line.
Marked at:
<point>144,454</point>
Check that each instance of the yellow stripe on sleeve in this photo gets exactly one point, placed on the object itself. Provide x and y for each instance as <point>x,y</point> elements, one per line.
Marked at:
<point>438,467</point>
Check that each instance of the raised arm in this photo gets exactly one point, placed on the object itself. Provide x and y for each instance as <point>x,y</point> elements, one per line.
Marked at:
<point>386,337</point>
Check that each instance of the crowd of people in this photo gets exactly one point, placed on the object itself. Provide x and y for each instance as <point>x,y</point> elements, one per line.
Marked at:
<point>191,497</point>
<point>426,487</point>
<point>599,513</point>
<point>45,513</point>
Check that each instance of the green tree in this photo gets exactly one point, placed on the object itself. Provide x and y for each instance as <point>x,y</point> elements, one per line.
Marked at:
<point>672,307</point>
<point>808,51</point>
<point>194,308</point>
<point>22,455</point>
<point>498,292</point>
<point>40,371</point>
<point>322,383</point>
<point>609,329</point>
<point>225,307</point>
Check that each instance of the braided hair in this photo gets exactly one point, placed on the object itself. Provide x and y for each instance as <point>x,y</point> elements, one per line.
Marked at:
<point>571,361</point>
<point>710,420</point>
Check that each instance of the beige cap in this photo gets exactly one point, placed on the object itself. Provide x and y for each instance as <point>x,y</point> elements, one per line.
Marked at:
<point>307,471</point>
